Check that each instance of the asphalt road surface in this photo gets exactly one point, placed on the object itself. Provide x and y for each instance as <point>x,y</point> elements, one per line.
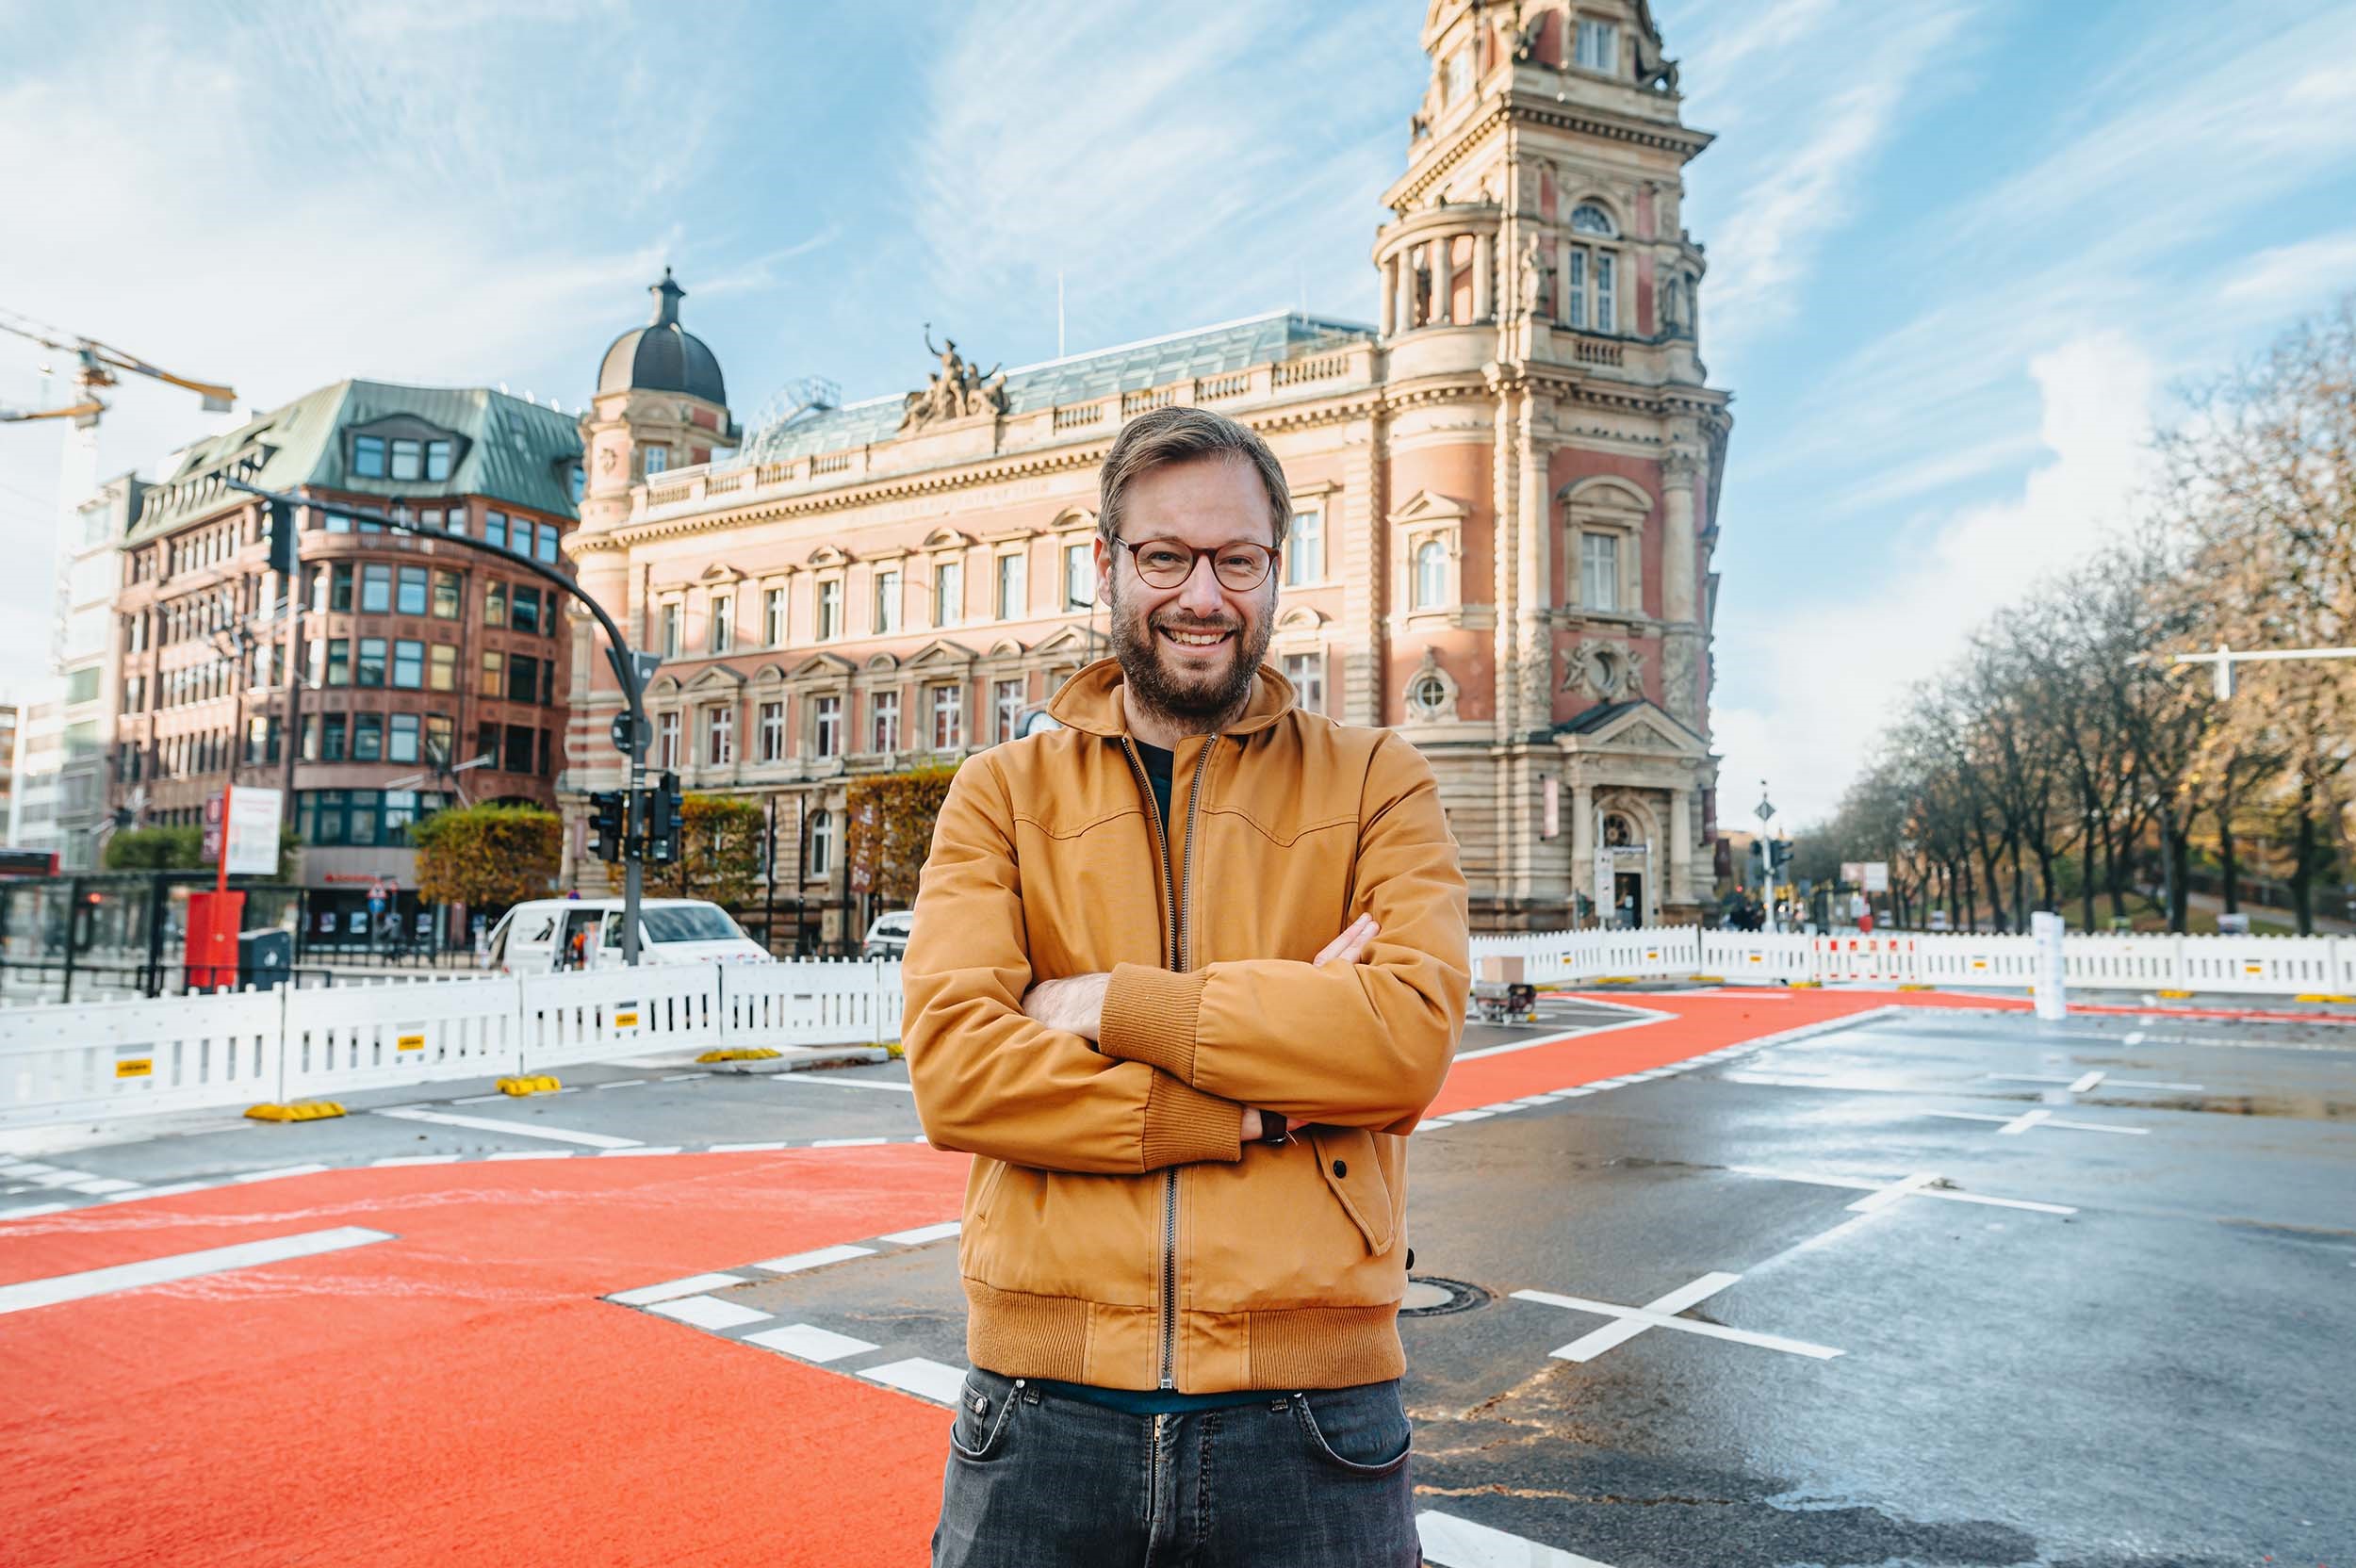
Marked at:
<point>1930,1286</point>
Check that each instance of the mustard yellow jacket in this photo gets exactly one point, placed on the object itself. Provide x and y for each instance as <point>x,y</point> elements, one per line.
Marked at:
<point>1117,1232</point>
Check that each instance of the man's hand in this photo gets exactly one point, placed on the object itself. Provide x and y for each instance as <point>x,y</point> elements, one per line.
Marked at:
<point>1075,1005</point>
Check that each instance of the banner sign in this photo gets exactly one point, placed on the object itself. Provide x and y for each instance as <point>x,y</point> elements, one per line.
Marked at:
<point>251,831</point>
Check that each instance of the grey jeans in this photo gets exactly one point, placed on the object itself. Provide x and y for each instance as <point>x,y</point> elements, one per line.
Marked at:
<point>1314,1480</point>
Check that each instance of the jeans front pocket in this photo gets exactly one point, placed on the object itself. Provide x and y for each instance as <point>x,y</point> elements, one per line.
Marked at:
<point>985,1417</point>
<point>1361,1430</point>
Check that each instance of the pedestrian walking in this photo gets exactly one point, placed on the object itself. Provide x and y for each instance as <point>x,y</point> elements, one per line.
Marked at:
<point>1184,973</point>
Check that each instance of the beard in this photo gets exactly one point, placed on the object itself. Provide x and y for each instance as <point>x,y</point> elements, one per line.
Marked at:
<point>1199,700</point>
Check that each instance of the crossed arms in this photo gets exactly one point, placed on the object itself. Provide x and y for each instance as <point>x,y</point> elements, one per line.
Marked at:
<point>1004,1066</point>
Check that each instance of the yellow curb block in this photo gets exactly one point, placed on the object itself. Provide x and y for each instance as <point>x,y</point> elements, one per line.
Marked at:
<point>897,1051</point>
<point>1708,979</point>
<point>2322,996</point>
<point>1616,980</point>
<point>1915,986</point>
<point>301,1110</point>
<point>2176,996</point>
<point>539,1083</point>
<point>1808,985</point>
<point>742,1054</point>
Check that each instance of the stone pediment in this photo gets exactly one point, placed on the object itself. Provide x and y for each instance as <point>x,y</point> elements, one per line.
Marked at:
<point>942,652</point>
<point>1430,506</point>
<point>1637,726</point>
<point>819,666</point>
<point>716,675</point>
<point>1067,637</point>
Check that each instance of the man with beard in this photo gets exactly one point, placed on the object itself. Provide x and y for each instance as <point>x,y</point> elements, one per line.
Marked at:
<point>1183,976</point>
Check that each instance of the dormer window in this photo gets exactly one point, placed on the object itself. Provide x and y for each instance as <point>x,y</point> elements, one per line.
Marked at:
<point>1598,47</point>
<point>403,448</point>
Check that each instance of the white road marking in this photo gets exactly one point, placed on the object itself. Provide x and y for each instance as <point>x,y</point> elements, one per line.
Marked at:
<point>928,1379</point>
<point>816,1258</point>
<point>811,1342</point>
<point>99,1186</point>
<point>520,1129</point>
<point>848,1143</point>
<point>478,1098</point>
<point>277,1172</point>
<point>744,1147</point>
<point>671,1290</point>
<point>181,1265</point>
<point>709,1312</point>
<point>2084,1082</point>
<point>681,1077</point>
<point>1661,1314</point>
<point>2080,1085</point>
<point>1452,1543</point>
<point>161,1192</point>
<point>1893,1192</point>
<point>49,1178</point>
<point>532,1154</point>
<point>2135,1037</point>
<point>844,1083</point>
<point>1644,1016</point>
<point>31,1209</point>
<point>1852,1182</point>
<point>1574,1092</point>
<point>1463,1116</point>
<point>619,1083</point>
<point>924,1233</point>
<point>415,1159</point>
<point>1502,1106</point>
<point>2037,1118</point>
<point>641,1149</point>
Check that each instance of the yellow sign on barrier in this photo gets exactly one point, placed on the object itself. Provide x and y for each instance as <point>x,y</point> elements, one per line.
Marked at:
<point>410,1042</point>
<point>136,1066</point>
<point>626,1020</point>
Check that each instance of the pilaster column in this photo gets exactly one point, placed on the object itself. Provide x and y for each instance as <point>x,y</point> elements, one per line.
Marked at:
<point>1390,295</point>
<point>1484,297</point>
<point>1561,281</point>
<point>1584,839</point>
<point>1680,548</point>
<point>1533,553</point>
<point>1680,856</point>
<point>1443,282</point>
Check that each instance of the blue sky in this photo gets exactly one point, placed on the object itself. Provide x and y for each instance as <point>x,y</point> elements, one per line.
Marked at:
<point>1961,249</point>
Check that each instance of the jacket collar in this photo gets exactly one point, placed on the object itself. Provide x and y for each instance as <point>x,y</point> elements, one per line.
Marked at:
<point>1090,701</point>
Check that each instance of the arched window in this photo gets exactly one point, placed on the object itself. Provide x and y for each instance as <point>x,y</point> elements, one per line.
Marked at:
<point>1587,218</point>
<point>1431,575</point>
<point>1591,273</point>
<point>821,858</point>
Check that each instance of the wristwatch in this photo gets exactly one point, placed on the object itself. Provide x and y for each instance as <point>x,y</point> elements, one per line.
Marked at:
<point>1274,1129</point>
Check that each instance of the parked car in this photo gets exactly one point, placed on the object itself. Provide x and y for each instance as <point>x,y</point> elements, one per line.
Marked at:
<point>887,933</point>
<point>547,935</point>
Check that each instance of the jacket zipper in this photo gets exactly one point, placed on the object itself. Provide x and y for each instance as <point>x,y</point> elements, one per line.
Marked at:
<point>1176,944</point>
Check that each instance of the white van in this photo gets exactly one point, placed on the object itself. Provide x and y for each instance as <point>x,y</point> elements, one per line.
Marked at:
<point>536,938</point>
<point>887,936</point>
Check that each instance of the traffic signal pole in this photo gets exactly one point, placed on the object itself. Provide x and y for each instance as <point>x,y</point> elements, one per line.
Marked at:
<point>629,665</point>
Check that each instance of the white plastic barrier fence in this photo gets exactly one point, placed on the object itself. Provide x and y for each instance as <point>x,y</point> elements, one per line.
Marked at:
<point>108,1059</point>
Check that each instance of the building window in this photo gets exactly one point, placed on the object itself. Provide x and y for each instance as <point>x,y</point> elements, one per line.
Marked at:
<point>1013,587</point>
<point>885,707</point>
<point>1592,300</point>
<point>1427,694</point>
<point>401,743</point>
<point>666,737</point>
<point>408,665</point>
<point>338,590</point>
<point>1431,575</point>
<point>827,728</point>
<point>495,530</point>
<point>1079,577</point>
<point>494,673</point>
<point>547,550</point>
<point>332,738</point>
<point>448,593</point>
<point>371,671</point>
<point>1598,47</point>
<point>367,737</point>
<point>1306,671</point>
<point>408,458</point>
<point>831,608</point>
<point>437,460</point>
<point>658,459</point>
<point>1587,218</point>
<point>772,733</point>
<point>376,590</point>
<point>1575,297</point>
<point>524,610</point>
<point>720,735</point>
<point>948,717</point>
<point>722,630</point>
<point>1599,571</point>
<point>523,678</point>
<point>495,603</point>
<point>1305,549</point>
<point>670,630</point>
<point>887,602</point>
<point>948,592</point>
<point>367,462</point>
<point>773,616</point>
<point>820,860</point>
<point>441,672</point>
<point>412,596</point>
<point>1607,291</point>
<point>439,738</point>
<point>1005,709</point>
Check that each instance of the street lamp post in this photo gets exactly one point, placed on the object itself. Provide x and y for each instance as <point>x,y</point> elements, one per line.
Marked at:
<point>1765,812</point>
<point>630,666</point>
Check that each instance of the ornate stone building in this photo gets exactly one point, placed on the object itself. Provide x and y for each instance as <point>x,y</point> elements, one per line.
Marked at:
<point>1505,492</point>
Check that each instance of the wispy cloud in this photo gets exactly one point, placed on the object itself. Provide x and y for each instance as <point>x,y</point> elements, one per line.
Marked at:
<point>2294,276</point>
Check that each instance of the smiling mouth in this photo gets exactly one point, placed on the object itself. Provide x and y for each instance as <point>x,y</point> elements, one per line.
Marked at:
<point>1193,641</point>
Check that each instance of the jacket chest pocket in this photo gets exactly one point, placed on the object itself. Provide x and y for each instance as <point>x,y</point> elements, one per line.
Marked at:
<point>1355,1173</point>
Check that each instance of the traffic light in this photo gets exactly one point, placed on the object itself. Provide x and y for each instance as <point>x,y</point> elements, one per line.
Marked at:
<point>608,824</point>
<point>281,540</point>
<point>662,821</point>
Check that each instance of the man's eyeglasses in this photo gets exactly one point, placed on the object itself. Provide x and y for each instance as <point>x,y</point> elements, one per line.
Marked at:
<point>1168,562</point>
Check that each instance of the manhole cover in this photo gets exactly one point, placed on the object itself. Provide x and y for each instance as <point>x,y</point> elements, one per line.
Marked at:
<point>1429,1296</point>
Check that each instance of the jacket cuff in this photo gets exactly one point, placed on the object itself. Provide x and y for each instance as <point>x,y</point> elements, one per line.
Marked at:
<point>1149,1016</point>
<point>1184,1125</point>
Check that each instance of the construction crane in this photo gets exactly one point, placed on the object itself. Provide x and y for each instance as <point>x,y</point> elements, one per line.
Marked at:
<point>95,366</point>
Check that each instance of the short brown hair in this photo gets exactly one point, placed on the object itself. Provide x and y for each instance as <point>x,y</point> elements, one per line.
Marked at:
<point>1173,435</point>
